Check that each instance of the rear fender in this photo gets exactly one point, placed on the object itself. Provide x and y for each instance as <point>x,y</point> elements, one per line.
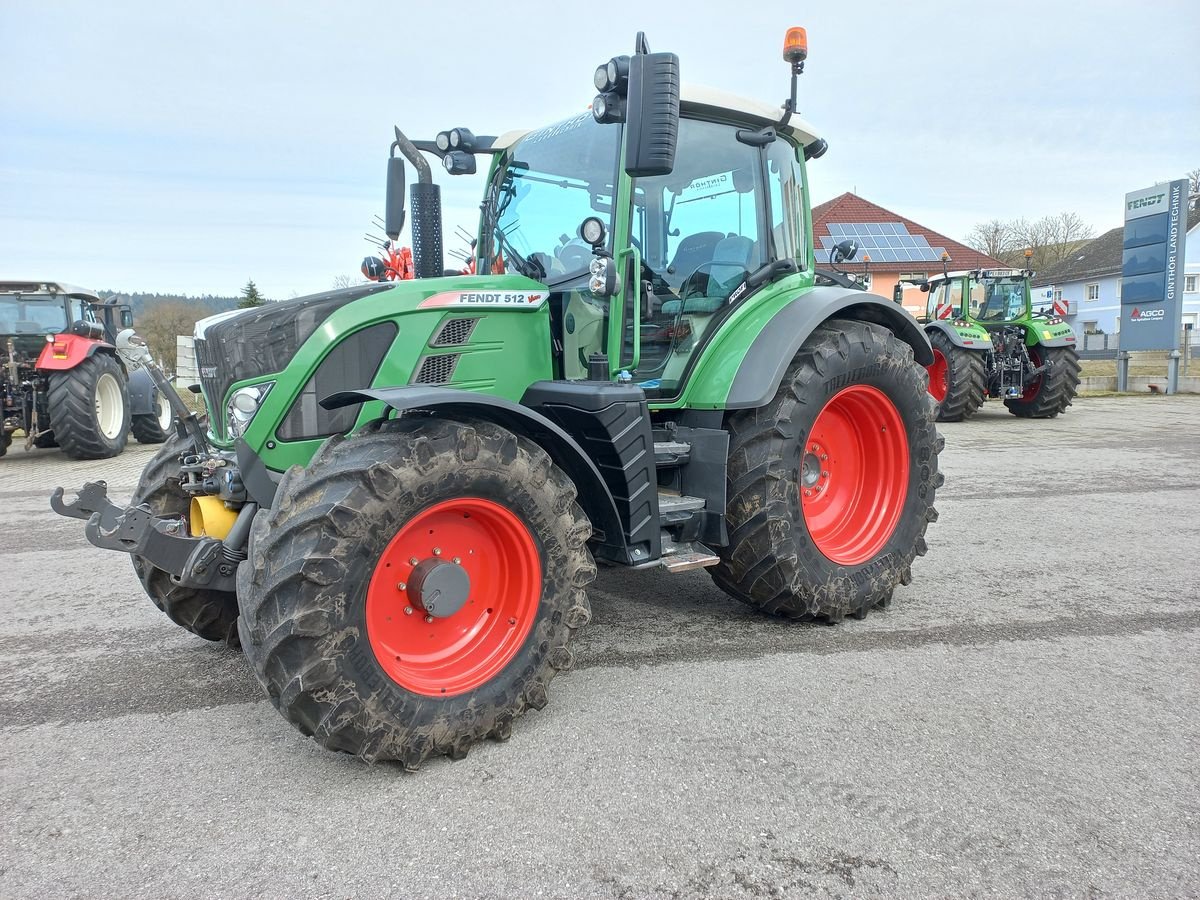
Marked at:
<point>67,351</point>
<point>594,496</point>
<point>762,368</point>
<point>1039,331</point>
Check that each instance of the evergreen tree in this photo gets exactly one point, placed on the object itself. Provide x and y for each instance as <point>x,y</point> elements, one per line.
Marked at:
<point>250,296</point>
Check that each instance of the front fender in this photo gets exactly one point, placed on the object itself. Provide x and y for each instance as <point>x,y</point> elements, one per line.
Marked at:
<point>594,495</point>
<point>971,338</point>
<point>67,351</point>
<point>762,368</point>
<point>141,393</point>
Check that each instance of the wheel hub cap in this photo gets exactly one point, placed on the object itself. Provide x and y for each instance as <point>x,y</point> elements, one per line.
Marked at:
<point>439,588</point>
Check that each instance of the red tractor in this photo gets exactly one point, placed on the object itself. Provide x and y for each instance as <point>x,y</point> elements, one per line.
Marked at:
<point>63,381</point>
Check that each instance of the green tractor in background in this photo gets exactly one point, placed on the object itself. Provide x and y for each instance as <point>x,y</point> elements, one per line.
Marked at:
<point>401,491</point>
<point>988,341</point>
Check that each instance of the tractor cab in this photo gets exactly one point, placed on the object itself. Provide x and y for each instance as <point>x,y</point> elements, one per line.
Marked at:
<point>29,311</point>
<point>687,243</point>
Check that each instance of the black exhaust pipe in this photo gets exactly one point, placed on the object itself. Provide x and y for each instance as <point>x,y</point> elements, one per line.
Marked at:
<point>426,220</point>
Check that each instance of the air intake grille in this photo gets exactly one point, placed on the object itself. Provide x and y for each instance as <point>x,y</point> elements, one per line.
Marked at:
<point>437,369</point>
<point>454,332</point>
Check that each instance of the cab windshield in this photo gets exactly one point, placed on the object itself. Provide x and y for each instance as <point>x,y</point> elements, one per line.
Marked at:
<point>997,299</point>
<point>37,314</point>
<point>548,183</point>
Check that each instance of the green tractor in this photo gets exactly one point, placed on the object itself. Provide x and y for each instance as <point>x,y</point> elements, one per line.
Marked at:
<point>402,489</point>
<point>988,341</point>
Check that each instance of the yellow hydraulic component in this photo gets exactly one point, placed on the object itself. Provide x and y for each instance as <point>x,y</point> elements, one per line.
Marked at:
<point>210,517</point>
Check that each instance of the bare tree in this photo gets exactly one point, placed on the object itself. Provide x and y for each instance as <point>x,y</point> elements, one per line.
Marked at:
<point>1193,182</point>
<point>1051,239</point>
<point>161,323</point>
<point>345,281</point>
<point>992,238</point>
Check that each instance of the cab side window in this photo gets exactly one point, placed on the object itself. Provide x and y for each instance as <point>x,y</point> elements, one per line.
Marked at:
<point>785,182</point>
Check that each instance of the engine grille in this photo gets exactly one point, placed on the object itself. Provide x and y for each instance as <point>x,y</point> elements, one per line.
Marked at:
<point>436,369</point>
<point>454,332</point>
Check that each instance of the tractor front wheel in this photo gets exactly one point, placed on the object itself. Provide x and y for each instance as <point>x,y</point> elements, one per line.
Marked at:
<point>415,588</point>
<point>209,614</point>
<point>153,428</point>
<point>89,408</point>
<point>831,484</point>
<point>1051,391</point>
<point>957,379</point>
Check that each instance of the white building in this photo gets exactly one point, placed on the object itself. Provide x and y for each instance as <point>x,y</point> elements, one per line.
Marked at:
<point>1089,280</point>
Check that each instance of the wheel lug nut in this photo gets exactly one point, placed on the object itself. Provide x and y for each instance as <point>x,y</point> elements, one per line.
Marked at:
<point>437,551</point>
<point>807,492</point>
<point>824,456</point>
<point>428,619</point>
<point>413,561</point>
<point>824,474</point>
<point>457,560</point>
<point>402,586</point>
<point>408,610</point>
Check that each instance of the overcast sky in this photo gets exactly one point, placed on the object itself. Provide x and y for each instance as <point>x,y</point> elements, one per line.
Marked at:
<point>161,146</point>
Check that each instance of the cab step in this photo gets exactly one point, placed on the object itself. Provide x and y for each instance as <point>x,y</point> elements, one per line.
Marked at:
<point>688,557</point>
<point>670,504</point>
<point>671,454</point>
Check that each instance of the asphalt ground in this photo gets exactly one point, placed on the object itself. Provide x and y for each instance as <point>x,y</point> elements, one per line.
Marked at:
<point>1023,721</point>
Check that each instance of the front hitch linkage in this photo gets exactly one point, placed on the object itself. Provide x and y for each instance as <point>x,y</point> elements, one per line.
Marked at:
<point>195,562</point>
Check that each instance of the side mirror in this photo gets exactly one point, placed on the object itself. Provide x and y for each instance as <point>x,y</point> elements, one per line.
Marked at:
<point>844,251</point>
<point>126,317</point>
<point>393,216</point>
<point>652,114</point>
<point>898,294</point>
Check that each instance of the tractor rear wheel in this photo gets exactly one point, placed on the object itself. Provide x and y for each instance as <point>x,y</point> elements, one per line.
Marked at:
<point>957,379</point>
<point>415,589</point>
<point>209,614</point>
<point>89,408</point>
<point>153,428</point>
<point>1051,392</point>
<point>831,484</point>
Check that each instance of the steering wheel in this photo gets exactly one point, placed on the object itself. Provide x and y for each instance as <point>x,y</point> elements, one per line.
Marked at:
<point>575,255</point>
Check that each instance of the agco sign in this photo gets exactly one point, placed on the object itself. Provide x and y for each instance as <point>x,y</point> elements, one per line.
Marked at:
<point>1147,315</point>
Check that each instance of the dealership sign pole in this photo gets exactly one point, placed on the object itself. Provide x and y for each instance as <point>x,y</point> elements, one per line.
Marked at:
<point>1152,276</point>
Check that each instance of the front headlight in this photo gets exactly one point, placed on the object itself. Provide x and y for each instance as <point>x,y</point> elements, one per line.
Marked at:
<point>243,404</point>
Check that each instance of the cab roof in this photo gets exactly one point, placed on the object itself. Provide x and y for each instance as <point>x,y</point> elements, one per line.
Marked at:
<point>695,98</point>
<point>988,271</point>
<point>47,287</point>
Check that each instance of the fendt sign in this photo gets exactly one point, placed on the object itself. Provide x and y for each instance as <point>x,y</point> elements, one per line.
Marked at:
<point>1151,267</point>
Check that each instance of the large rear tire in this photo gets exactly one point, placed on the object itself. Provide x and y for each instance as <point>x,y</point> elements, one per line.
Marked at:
<point>89,408</point>
<point>209,614</point>
<point>1051,392</point>
<point>957,379</point>
<point>153,428</point>
<point>831,484</point>
<point>331,595</point>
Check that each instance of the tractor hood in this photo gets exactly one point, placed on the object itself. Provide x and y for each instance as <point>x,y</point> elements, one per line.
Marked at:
<point>243,345</point>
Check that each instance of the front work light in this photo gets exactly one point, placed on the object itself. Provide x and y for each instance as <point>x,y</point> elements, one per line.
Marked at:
<point>459,162</point>
<point>461,139</point>
<point>608,108</point>
<point>613,76</point>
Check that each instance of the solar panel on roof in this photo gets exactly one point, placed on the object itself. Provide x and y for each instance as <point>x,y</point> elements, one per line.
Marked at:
<point>884,242</point>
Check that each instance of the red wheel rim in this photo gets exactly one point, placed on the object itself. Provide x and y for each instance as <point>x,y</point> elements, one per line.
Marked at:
<point>939,376</point>
<point>444,655</point>
<point>854,475</point>
<point>1031,389</point>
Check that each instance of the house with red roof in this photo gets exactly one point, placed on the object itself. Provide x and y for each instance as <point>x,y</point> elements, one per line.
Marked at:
<point>891,248</point>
